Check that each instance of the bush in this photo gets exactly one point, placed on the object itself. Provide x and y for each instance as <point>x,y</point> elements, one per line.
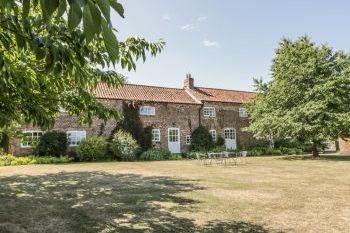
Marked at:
<point>124,146</point>
<point>156,154</point>
<point>191,155</point>
<point>10,160</point>
<point>201,139</point>
<point>52,143</point>
<point>175,157</point>
<point>91,149</point>
<point>220,141</point>
<point>218,149</point>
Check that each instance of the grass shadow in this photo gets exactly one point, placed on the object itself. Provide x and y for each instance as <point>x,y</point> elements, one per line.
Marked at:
<point>102,202</point>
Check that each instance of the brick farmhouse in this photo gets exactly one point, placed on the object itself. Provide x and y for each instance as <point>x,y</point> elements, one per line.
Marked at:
<point>172,113</point>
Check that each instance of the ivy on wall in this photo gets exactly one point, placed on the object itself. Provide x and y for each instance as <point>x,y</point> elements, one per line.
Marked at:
<point>133,124</point>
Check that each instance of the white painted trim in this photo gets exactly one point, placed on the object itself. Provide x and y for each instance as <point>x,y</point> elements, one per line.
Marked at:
<point>158,133</point>
<point>30,131</point>
<point>209,107</point>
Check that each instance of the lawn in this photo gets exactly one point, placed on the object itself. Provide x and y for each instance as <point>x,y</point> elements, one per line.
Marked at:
<point>268,194</point>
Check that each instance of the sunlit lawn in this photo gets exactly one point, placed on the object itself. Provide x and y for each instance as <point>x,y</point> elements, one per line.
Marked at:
<point>268,194</point>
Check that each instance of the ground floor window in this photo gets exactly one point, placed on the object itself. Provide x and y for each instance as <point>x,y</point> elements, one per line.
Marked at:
<point>75,137</point>
<point>155,135</point>
<point>30,138</point>
<point>213,134</point>
<point>188,139</point>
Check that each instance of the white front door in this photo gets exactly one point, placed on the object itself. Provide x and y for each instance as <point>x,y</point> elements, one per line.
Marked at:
<point>230,138</point>
<point>174,140</point>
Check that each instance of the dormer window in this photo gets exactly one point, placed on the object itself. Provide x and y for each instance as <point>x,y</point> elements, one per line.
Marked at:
<point>243,112</point>
<point>147,111</point>
<point>209,112</point>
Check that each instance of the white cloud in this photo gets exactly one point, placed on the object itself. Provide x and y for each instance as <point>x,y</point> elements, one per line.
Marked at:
<point>166,17</point>
<point>201,19</point>
<point>188,27</point>
<point>213,44</point>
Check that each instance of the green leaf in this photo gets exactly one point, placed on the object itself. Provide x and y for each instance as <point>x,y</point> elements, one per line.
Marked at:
<point>74,14</point>
<point>105,8</point>
<point>61,8</point>
<point>117,7</point>
<point>25,10</point>
<point>91,21</point>
<point>48,7</point>
<point>110,41</point>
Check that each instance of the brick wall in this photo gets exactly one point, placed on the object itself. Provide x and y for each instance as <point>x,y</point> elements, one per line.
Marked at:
<point>227,116</point>
<point>168,115</point>
<point>344,146</point>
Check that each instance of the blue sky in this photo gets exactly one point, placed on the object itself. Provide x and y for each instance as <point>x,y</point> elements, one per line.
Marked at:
<point>224,44</point>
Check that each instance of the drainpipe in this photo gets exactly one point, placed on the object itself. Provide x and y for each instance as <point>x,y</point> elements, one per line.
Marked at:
<point>200,116</point>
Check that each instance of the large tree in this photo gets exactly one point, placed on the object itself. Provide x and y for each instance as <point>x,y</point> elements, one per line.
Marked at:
<point>53,53</point>
<point>308,97</point>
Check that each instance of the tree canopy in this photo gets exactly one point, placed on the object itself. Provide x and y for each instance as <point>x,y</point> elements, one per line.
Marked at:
<point>53,53</point>
<point>308,97</point>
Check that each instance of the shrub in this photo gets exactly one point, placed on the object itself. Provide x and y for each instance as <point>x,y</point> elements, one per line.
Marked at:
<point>190,155</point>
<point>175,157</point>
<point>220,141</point>
<point>155,154</point>
<point>201,139</point>
<point>124,146</point>
<point>218,149</point>
<point>10,160</point>
<point>91,149</point>
<point>52,143</point>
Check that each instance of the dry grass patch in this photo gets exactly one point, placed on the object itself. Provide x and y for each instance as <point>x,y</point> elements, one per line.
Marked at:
<point>269,194</point>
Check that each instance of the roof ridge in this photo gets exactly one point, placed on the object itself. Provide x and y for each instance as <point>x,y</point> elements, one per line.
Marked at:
<point>222,89</point>
<point>144,85</point>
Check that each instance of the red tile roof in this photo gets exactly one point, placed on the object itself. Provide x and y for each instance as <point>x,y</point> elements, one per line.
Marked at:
<point>221,95</point>
<point>172,95</point>
<point>144,93</point>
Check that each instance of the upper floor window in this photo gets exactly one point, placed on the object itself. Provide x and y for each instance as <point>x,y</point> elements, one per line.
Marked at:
<point>213,134</point>
<point>188,139</point>
<point>75,137</point>
<point>147,111</point>
<point>209,112</point>
<point>30,138</point>
<point>155,135</point>
<point>243,112</point>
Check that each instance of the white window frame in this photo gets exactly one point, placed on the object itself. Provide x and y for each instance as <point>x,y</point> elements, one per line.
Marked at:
<point>188,139</point>
<point>213,134</point>
<point>209,112</point>
<point>147,111</point>
<point>243,112</point>
<point>155,132</point>
<point>78,138</point>
<point>37,137</point>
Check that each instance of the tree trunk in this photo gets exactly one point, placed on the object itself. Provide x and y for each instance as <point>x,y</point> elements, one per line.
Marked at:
<point>5,142</point>
<point>315,152</point>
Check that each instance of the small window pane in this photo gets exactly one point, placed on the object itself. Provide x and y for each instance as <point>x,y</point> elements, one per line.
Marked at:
<point>213,134</point>
<point>230,134</point>
<point>209,111</point>
<point>147,111</point>
<point>155,135</point>
<point>75,137</point>
<point>30,138</point>
<point>243,112</point>
<point>188,139</point>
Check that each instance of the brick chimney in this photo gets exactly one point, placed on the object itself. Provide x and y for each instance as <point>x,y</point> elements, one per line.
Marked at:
<point>189,82</point>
